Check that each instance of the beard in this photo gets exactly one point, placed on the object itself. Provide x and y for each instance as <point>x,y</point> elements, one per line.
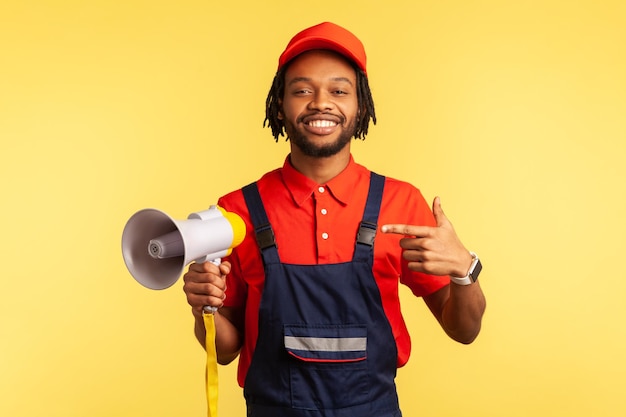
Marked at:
<point>310,148</point>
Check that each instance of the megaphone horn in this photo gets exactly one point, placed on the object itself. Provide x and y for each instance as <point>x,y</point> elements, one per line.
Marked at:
<point>156,247</point>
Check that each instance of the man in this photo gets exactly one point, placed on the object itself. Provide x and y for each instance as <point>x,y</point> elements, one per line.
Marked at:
<point>309,300</point>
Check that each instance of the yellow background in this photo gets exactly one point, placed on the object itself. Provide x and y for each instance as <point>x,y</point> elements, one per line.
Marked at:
<point>513,112</point>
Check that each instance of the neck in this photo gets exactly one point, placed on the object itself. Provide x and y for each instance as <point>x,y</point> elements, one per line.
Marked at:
<point>320,170</point>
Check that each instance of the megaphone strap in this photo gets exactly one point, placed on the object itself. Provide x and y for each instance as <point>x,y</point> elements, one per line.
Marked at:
<point>211,365</point>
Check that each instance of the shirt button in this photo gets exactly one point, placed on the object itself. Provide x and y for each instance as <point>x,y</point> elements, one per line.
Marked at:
<point>321,189</point>
<point>324,236</point>
<point>324,211</point>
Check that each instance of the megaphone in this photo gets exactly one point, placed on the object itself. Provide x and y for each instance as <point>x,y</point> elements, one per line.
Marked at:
<point>156,247</point>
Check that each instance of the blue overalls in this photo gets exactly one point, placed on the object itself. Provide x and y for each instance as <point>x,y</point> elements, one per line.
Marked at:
<point>325,347</point>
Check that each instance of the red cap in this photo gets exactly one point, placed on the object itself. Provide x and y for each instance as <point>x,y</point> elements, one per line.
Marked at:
<point>325,36</point>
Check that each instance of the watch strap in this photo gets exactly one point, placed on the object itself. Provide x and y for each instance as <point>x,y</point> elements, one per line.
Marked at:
<point>472,273</point>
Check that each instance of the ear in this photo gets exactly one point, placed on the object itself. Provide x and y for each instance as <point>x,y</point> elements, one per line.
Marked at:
<point>280,116</point>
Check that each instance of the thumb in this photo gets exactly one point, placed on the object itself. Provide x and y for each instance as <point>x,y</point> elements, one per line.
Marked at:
<point>440,216</point>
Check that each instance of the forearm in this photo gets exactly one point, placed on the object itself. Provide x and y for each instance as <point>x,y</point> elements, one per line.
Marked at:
<point>463,311</point>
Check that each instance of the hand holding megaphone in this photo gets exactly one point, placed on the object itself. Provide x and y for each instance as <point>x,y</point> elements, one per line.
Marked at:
<point>156,248</point>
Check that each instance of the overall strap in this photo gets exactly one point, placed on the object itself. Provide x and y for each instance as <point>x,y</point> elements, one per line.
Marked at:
<point>367,230</point>
<point>262,227</point>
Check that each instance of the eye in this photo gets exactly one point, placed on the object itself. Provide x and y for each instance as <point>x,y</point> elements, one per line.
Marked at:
<point>341,90</point>
<point>301,91</point>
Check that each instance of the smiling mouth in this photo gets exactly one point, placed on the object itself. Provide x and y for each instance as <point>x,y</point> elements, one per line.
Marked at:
<point>321,123</point>
<point>321,120</point>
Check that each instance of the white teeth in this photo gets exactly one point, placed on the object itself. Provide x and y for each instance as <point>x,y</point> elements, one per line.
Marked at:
<point>322,123</point>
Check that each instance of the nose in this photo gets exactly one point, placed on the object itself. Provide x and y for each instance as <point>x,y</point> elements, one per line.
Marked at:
<point>321,101</point>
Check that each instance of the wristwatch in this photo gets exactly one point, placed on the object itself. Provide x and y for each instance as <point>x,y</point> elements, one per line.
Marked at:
<point>472,274</point>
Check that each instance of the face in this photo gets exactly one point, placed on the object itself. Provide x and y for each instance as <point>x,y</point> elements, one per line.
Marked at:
<point>319,106</point>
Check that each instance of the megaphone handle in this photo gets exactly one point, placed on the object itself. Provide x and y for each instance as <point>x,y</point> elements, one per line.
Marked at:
<point>216,261</point>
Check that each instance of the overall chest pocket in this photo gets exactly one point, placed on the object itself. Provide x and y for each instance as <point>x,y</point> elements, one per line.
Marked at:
<point>328,365</point>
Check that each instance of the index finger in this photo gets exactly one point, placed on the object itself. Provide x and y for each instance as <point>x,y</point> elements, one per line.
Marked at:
<point>406,229</point>
<point>225,268</point>
<point>203,267</point>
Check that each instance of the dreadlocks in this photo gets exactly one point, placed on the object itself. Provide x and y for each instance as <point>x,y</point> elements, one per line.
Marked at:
<point>275,95</point>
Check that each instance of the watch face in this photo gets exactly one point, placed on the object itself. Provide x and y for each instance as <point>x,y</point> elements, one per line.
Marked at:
<point>476,271</point>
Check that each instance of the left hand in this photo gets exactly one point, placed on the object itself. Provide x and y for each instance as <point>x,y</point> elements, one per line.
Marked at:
<point>433,250</point>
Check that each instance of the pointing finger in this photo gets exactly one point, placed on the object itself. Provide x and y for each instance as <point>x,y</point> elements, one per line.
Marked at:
<point>406,229</point>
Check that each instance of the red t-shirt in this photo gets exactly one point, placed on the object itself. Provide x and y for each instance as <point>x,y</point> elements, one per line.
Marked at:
<point>317,224</point>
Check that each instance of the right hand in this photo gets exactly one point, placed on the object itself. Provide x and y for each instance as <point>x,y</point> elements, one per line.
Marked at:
<point>205,285</point>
